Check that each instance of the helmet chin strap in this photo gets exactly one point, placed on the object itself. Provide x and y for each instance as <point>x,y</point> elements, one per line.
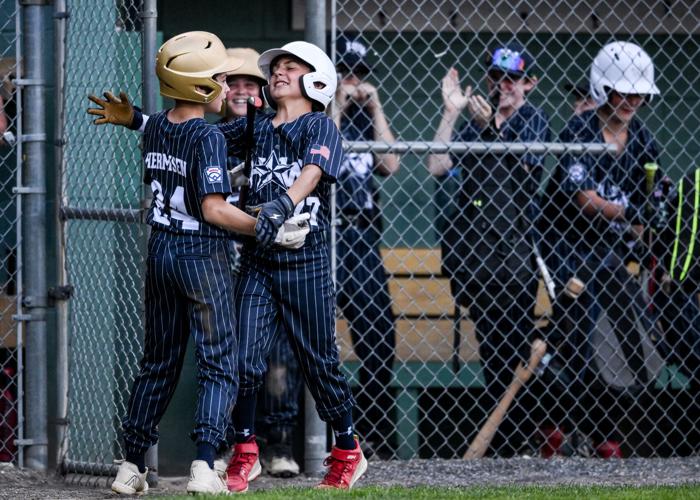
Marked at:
<point>268,97</point>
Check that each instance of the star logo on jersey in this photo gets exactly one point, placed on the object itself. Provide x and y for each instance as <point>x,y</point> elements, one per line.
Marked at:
<point>276,170</point>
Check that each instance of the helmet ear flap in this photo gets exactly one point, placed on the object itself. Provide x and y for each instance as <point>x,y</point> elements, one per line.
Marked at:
<point>268,97</point>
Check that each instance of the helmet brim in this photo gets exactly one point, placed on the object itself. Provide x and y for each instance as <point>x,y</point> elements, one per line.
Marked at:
<point>268,56</point>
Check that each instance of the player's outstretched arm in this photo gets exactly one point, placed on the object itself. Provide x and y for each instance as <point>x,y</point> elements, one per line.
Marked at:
<point>217,211</point>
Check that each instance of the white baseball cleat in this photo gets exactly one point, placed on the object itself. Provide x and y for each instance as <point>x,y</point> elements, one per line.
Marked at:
<point>204,479</point>
<point>129,480</point>
<point>282,466</point>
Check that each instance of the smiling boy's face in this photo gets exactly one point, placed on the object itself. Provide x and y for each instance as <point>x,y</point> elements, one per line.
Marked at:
<point>511,90</point>
<point>286,72</point>
<point>240,88</point>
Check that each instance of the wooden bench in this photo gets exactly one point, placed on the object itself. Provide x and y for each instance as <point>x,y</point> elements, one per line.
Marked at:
<point>425,326</point>
<point>425,329</point>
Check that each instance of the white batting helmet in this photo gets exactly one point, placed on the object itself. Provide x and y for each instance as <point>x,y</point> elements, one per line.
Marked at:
<point>623,67</point>
<point>322,72</point>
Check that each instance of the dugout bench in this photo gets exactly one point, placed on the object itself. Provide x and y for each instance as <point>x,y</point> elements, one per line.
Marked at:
<point>426,320</point>
<point>427,323</point>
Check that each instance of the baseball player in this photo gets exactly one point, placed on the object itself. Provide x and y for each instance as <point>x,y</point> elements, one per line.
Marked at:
<point>297,155</point>
<point>592,205</point>
<point>188,284</point>
<point>278,401</point>
<point>487,250</point>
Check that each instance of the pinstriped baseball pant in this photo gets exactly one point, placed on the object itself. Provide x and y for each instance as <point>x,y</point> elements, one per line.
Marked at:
<point>292,288</point>
<point>188,292</point>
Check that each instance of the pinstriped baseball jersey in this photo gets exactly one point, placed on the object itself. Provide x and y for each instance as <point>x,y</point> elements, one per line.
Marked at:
<point>291,288</point>
<point>183,163</point>
<point>188,284</point>
<point>280,153</point>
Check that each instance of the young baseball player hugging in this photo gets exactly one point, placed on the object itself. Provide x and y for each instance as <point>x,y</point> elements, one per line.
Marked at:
<point>296,158</point>
<point>189,290</point>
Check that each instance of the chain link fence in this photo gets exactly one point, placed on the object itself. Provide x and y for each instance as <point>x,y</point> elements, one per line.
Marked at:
<point>104,240</point>
<point>10,336</point>
<point>456,231</point>
<point>619,377</point>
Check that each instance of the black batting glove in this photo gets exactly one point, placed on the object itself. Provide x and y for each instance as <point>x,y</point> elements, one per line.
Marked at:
<point>271,217</point>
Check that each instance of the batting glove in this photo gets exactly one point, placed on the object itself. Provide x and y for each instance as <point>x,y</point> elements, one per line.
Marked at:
<point>293,232</point>
<point>270,218</point>
<point>117,111</point>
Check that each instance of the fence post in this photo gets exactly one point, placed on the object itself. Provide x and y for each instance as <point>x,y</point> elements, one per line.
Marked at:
<point>33,197</point>
<point>149,16</point>
<point>61,357</point>
<point>314,428</point>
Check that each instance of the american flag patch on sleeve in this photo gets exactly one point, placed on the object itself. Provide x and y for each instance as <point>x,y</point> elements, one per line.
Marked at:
<point>320,150</point>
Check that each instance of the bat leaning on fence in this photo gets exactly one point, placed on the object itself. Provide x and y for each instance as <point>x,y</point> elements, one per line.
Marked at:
<point>522,374</point>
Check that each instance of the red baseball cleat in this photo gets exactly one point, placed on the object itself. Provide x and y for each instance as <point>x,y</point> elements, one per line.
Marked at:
<point>243,467</point>
<point>345,467</point>
<point>552,440</point>
<point>609,449</point>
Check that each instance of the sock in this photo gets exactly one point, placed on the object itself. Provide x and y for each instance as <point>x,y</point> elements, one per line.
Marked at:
<point>206,452</point>
<point>244,418</point>
<point>138,459</point>
<point>344,432</point>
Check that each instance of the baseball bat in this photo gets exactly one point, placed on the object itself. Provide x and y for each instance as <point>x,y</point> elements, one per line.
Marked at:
<point>252,105</point>
<point>522,374</point>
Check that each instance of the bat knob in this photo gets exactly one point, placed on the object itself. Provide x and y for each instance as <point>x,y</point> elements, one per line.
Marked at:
<point>574,287</point>
<point>255,101</point>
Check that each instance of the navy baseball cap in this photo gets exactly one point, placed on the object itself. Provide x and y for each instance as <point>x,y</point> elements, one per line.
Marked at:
<point>511,59</point>
<point>352,56</point>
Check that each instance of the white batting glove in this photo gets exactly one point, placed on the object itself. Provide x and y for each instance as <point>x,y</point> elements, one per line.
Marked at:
<point>236,177</point>
<point>292,233</point>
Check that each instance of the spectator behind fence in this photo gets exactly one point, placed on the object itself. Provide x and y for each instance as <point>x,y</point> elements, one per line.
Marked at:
<point>593,212</point>
<point>363,294</point>
<point>487,250</point>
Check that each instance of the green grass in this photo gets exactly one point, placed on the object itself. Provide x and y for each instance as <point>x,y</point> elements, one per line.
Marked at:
<point>486,493</point>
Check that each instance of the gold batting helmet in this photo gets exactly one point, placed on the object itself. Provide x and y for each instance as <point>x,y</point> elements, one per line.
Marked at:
<point>250,64</point>
<point>190,60</point>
